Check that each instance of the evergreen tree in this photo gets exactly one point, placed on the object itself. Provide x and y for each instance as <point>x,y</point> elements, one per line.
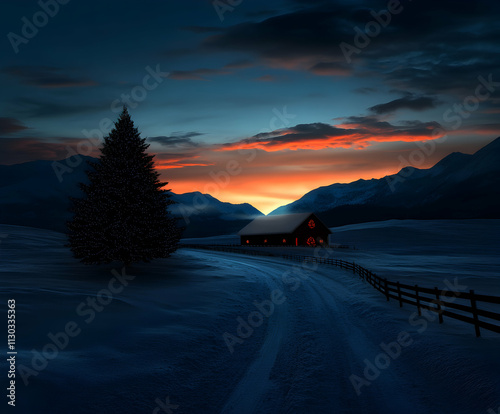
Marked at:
<point>123,215</point>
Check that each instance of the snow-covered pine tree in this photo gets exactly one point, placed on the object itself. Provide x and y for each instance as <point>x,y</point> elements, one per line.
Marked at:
<point>123,215</point>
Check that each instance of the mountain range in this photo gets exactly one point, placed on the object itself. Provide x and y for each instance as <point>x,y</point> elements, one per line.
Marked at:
<point>32,194</point>
<point>459,186</point>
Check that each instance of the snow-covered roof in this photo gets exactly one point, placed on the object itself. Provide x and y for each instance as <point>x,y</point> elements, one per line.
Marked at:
<point>279,224</point>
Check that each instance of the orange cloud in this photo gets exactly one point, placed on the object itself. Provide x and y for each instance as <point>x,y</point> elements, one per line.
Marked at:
<point>268,179</point>
<point>354,132</point>
<point>181,165</point>
<point>491,111</point>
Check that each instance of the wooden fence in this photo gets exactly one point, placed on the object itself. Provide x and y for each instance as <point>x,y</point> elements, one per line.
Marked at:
<point>460,305</point>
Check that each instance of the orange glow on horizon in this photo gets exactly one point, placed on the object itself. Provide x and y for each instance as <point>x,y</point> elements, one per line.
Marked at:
<point>270,179</point>
<point>264,194</point>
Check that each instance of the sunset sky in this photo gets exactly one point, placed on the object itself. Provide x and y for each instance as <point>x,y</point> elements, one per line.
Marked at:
<point>257,102</point>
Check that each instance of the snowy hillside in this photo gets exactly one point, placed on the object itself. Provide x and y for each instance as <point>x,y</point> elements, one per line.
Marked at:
<point>324,198</point>
<point>413,251</point>
<point>166,336</point>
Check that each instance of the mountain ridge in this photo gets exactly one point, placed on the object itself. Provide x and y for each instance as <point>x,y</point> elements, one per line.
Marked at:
<point>472,180</point>
<point>458,186</point>
<point>32,194</point>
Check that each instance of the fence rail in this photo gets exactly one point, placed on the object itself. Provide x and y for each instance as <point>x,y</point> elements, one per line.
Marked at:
<point>432,299</point>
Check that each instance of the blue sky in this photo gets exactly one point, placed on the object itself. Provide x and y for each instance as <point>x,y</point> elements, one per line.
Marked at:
<point>269,81</point>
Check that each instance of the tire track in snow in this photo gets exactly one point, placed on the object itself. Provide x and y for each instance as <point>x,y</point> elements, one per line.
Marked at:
<point>323,333</point>
<point>250,390</point>
<point>360,339</point>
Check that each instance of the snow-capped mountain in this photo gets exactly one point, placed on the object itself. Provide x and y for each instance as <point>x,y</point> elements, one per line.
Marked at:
<point>32,194</point>
<point>204,215</point>
<point>324,198</point>
<point>458,186</point>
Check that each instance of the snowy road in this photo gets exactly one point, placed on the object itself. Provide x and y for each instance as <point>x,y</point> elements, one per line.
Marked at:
<point>327,326</point>
<point>298,337</point>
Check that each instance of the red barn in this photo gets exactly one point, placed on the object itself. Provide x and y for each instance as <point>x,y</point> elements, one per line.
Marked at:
<point>301,229</point>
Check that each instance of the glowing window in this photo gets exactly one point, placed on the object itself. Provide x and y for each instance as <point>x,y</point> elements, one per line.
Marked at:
<point>248,241</point>
<point>284,240</point>
<point>311,242</point>
<point>265,241</point>
<point>311,224</point>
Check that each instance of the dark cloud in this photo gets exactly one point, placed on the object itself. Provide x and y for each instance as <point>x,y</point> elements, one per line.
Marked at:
<point>372,124</point>
<point>415,103</point>
<point>169,156</point>
<point>203,29</point>
<point>331,69</point>
<point>177,139</point>
<point>311,131</point>
<point>174,160</point>
<point>24,149</point>
<point>365,90</point>
<point>38,108</point>
<point>266,78</point>
<point>356,132</point>
<point>46,77</point>
<point>196,74</point>
<point>10,125</point>
<point>285,40</point>
<point>446,55</point>
<point>310,2</point>
<point>203,73</point>
<point>261,13</point>
<point>457,43</point>
<point>239,64</point>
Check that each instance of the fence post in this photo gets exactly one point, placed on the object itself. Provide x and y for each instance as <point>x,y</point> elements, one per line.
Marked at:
<point>399,295</point>
<point>438,304</point>
<point>474,312</point>
<point>418,301</point>
<point>386,289</point>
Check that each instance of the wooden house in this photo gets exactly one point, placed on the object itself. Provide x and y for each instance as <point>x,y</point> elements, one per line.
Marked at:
<point>301,229</point>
